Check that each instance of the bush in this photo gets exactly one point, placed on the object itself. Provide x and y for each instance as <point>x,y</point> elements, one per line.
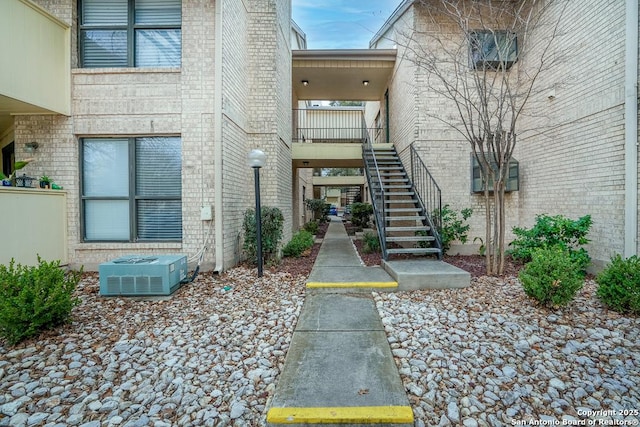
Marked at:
<point>319,209</point>
<point>271,222</point>
<point>311,227</point>
<point>370,243</point>
<point>619,284</point>
<point>300,242</point>
<point>553,231</point>
<point>551,277</point>
<point>452,227</point>
<point>33,299</point>
<point>360,214</point>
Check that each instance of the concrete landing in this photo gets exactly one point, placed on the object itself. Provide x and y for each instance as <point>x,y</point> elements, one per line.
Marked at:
<point>426,274</point>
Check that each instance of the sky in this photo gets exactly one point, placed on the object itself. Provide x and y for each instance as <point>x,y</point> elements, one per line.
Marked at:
<point>341,24</point>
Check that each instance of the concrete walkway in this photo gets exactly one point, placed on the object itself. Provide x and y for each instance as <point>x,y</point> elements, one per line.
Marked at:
<point>339,368</point>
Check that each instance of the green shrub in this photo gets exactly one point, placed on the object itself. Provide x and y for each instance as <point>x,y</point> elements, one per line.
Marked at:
<point>553,231</point>
<point>311,227</point>
<point>370,243</point>
<point>360,214</point>
<point>619,284</point>
<point>452,226</point>
<point>271,222</point>
<point>319,209</point>
<point>551,277</point>
<point>33,299</point>
<point>300,242</point>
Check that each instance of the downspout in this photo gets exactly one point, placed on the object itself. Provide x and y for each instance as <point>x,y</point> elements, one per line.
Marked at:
<point>217,141</point>
<point>631,131</point>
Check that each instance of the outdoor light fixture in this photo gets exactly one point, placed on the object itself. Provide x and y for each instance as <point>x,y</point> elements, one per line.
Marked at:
<point>365,82</point>
<point>30,147</point>
<point>305,163</point>
<point>256,160</point>
<point>305,83</point>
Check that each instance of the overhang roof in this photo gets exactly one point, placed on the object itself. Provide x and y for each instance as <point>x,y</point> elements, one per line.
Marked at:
<point>339,74</point>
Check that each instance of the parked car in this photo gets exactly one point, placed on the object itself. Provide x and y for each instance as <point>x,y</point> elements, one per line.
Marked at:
<point>333,210</point>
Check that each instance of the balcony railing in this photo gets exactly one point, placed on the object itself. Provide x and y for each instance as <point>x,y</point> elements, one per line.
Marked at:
<point>327,124</point>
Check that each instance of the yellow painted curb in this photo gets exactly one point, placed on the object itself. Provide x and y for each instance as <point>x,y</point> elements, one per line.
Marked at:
<point>346,415</point>
<point>352,284</point>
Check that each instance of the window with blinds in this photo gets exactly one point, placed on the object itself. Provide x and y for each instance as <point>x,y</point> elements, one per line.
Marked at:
<point>132,189</point>
<point>130,33</point>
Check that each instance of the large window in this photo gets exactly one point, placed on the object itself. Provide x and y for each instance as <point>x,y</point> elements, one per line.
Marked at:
<point>493,50</point>
<point>130,33</point>
<point>131,189</point>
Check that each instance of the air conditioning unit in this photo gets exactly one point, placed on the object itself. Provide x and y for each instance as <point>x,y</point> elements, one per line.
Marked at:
<point>135,275</point>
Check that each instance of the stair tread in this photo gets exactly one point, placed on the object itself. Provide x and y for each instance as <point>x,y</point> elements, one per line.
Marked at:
<point>413,251</point>
<point>411,228</point>
<point>400,193</point>
<point>403,210</point>
<point>410,238</point>
<point>405,218</point>
<point>399,200</point>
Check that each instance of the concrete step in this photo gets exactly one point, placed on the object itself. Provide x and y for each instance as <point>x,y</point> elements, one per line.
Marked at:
<point>407,229</point>
<point>409,238</point>
<point>398,201</point>
<point>414,251</point>
<point>403,210</point>
<point>394,187</point>
<point>399,193</point>
<point>426,274</point>
<point>405,218</point>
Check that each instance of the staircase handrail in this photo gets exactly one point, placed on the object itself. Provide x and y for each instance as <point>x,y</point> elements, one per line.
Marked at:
<point>428,193</point>
<point>379,198</point>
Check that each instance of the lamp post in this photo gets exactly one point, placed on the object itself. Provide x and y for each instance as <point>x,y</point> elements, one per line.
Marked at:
<point>256,159</point>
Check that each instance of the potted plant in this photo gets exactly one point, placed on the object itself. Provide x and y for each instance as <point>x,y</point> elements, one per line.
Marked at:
<point>11,179</point>
<point>45,181</point>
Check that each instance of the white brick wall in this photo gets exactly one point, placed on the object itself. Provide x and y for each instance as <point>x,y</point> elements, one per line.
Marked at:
<point>129,102</point>
<point>572,163</point>
<point>571,148</point>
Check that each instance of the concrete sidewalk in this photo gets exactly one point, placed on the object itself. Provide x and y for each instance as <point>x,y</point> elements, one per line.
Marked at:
<point>339,368</point>
<point>338,265</point>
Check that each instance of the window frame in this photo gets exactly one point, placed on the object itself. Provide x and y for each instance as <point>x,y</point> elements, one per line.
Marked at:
<point>130,29</point>
<point>132,196</point>
<point>488,63</point>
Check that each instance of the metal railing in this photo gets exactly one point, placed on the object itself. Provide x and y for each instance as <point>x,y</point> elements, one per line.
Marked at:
<point>329,125</point>
<point>428,194</point>
<point>376,191</point>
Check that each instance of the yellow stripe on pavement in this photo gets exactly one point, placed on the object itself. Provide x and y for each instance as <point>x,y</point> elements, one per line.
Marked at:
<point>352,284</point>
<point>346,415</point>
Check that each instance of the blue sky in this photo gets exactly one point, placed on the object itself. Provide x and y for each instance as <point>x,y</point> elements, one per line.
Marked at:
<point>341,24</point>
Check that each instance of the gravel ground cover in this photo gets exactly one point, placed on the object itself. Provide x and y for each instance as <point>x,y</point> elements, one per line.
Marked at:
<point>209,355</point>
<point>487,355</point>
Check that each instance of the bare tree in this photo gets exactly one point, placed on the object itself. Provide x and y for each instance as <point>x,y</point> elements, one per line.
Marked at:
<point>485,57</point>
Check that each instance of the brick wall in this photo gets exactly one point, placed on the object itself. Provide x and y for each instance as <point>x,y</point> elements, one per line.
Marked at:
<point>129,102</point>
<point>572,157</point>
<point>570,146</point>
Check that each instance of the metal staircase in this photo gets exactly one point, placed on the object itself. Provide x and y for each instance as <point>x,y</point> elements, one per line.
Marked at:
<point>403,219</point>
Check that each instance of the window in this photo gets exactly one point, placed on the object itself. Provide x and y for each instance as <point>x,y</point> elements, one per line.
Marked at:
<point>131,189</point>
<point>493,50</point>
<point>130,33</point>
<point>512,181</point>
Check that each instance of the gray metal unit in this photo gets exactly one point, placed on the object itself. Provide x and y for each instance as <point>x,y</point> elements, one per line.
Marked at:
<point>135,275</point>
